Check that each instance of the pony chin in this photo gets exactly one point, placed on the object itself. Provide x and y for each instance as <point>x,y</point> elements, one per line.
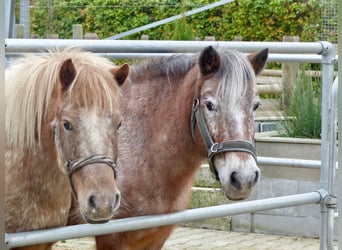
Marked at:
<point>238,175</point>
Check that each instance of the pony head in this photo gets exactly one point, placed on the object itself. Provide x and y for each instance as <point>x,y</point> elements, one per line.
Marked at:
<point>83,132</point>
<point>223,108</point>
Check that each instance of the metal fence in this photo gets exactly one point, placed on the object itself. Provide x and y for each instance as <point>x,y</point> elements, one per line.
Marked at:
<point>318,52</point>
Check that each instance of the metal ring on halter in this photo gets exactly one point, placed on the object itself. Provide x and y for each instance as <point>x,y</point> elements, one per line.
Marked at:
<point>212,148</point>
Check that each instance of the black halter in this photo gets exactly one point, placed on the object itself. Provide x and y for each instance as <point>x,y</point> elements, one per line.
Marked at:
<point>215,148</point>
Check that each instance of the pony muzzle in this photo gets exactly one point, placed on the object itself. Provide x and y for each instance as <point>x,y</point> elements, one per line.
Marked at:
<point>229,146</point>
<point>99,209</point>
<point>99,204</point>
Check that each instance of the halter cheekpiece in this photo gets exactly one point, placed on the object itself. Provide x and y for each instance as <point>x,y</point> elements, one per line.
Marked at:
<point>215,148</point>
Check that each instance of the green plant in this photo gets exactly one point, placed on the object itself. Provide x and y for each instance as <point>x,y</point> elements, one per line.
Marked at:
<point>305,109</point>
<point>254,20</point>
<point>182,30</point>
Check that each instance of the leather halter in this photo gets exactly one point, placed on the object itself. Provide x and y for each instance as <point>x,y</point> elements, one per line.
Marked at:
<point>215,148</point>
<point>76,164</point>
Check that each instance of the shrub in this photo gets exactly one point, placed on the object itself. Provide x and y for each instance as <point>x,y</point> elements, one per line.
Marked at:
<point>304,110</point>
<point>254,20</point>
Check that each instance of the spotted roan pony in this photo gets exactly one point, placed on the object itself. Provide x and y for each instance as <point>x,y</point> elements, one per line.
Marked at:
<point>178,112</point>
<point>62,111</point>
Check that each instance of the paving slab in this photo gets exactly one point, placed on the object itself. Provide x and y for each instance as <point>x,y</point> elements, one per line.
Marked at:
<point>185,238</point>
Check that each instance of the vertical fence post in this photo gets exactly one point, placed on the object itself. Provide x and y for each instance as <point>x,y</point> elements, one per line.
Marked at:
<point>9,18</point>
<point>53,36</point>
<point>339,173</point>
<point>328,60</point>
<point>19,30</point>
<point>290,73</point>
<point>91,36</point>
<point>25,16</point>
<point>77,31</point>
<point>209,38</point>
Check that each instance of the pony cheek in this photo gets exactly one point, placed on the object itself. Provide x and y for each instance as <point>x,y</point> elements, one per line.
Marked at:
<point>238,174</point>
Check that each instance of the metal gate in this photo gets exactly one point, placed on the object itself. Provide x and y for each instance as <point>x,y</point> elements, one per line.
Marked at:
<point>325,197</point>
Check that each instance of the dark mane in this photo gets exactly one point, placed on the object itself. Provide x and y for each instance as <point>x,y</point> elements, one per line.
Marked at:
<point>171,66</point>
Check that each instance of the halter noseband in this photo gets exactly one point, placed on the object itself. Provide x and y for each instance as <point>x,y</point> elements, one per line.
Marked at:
<point>73,165</point>
<point>76,164</point>
<point>215,148</point>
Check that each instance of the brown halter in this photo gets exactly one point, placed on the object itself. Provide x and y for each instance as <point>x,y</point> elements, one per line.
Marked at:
<point>76,164</point>
<point>215,148</point>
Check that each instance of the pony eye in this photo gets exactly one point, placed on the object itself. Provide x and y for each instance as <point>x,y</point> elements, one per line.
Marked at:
<point>119,125</point>
<point>256,106</point>
<point>67,125</point>
<point>209,105</point>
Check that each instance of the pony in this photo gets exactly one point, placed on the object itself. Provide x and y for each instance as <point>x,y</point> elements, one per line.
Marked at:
<point>61,108</point>
<point>180,111</point>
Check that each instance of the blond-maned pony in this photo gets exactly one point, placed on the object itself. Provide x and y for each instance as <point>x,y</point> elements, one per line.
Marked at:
<point>61,108</point>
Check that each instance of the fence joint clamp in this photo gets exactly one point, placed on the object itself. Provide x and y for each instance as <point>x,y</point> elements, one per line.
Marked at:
<point>330,201</point>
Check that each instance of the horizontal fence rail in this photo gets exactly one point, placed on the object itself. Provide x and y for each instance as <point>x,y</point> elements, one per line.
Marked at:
<point>306,58</point>
<point>151,46</point>
<point>143,222</point>
<point>286,162</point>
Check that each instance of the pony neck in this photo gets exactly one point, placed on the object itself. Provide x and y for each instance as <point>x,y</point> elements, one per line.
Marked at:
<point>155,140</point>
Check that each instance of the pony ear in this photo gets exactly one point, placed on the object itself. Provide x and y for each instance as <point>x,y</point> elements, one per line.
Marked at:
<point>209,61</point>
<point>67,74</point>
<point>121,73</point>
<point>258,60</point>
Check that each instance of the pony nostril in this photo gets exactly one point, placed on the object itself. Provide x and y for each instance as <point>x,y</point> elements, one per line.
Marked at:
<point>92,203</point>
<point>256,179</point>
<point>116,202</point>
<point>234,180</point>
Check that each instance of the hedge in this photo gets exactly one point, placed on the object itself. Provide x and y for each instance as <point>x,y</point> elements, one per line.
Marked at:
<point>254,20</point>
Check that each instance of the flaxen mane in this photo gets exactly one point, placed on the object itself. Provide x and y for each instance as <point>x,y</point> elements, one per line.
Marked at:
<point>30,87</point>
<point>235,74</point>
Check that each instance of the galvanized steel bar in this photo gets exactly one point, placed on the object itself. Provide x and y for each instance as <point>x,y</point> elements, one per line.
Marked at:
<point>331,203</point>
<point>285,162</point>
<point>9,18</point>
<point>152,46</point>
<point>305,58</point>
<point>333,139</point>
<point>328,61</point>
<point>142,222</point>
